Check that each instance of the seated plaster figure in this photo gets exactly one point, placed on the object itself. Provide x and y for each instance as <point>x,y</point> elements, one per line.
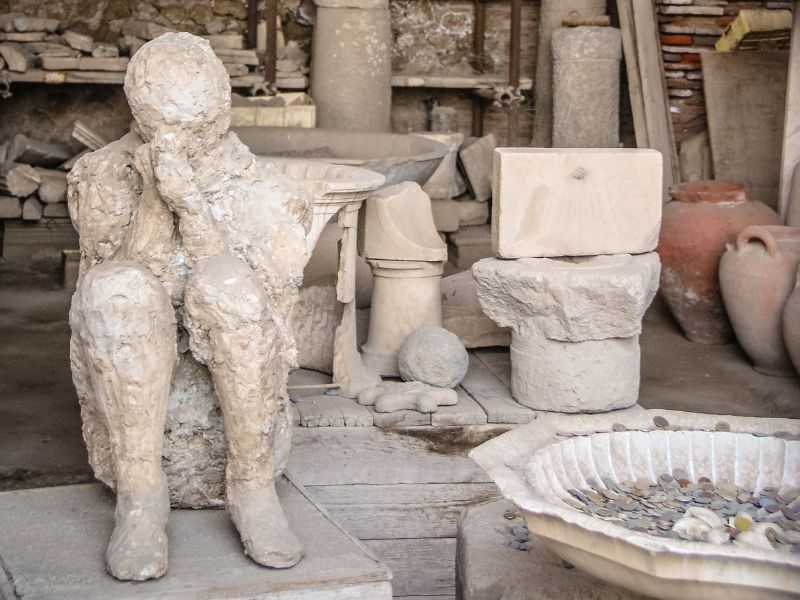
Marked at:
<point>185,241</point>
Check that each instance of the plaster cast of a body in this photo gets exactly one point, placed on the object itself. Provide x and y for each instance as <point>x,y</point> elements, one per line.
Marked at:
<point>187,244</point>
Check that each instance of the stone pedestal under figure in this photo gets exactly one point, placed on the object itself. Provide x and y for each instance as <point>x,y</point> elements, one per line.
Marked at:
<point>190,247</point>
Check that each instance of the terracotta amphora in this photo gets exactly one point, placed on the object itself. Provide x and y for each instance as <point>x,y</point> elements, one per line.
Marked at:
<point>791,325</point>
<point>696,225</point>
<point>757,275</point>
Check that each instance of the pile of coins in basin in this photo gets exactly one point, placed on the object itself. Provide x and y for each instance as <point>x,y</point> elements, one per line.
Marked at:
<point>676,507</point>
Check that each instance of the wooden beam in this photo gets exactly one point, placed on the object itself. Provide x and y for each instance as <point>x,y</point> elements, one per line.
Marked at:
<point>790,154</point>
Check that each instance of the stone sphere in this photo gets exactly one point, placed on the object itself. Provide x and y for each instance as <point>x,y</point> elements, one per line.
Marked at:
<point>434,356</point>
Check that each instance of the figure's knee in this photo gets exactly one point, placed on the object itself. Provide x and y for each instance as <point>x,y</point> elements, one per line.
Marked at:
<point>222,291</point>
<point>119,299</point>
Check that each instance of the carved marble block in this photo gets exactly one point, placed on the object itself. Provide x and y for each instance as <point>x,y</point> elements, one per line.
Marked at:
<point>575,202</point>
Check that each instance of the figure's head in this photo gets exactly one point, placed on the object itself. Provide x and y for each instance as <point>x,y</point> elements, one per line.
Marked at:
<point>176,82</point>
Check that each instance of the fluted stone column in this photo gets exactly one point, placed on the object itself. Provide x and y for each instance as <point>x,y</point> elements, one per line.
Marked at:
<point>586,87</point>
<point>551,14</point>
<point>351,68</point>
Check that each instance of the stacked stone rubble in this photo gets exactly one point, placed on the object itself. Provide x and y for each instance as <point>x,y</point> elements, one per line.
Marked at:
<point>574,232</point>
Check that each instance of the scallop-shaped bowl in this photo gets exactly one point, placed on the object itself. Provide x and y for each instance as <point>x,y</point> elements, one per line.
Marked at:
<point>534,466</point>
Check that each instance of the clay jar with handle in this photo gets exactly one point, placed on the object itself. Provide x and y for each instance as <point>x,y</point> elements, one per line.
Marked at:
<point>791,325</point>
<point>756,276</point>
<point>696,225</point>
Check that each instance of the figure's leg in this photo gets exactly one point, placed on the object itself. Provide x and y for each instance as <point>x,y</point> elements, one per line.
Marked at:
<point>232,333</point>
<point>123,328</point>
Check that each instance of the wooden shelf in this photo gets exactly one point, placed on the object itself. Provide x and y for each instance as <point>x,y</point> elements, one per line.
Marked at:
<point>462,83</point>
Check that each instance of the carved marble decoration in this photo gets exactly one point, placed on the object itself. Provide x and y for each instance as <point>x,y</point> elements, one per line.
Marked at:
<point>191,252</point>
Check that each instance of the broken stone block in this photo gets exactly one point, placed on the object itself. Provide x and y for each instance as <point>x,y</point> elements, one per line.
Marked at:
<point>51,49</point>
<point>462,314</point>
<point>18,179</point>
<point>472,212</point>
<point>28,36</point>
<point>17,57</point>
<point>469,245</point>
<point>27,150</point>
<point>575,202</point>
<point>130,44</point>
<point>586,87</point>
<point>475,160</point>
<point>145,30</point>
<point>242,57</point>
<point>442,184</point>
<point>58,211</point>
<point>575,327</point>
<point>84,63</point>
<point>32,209</point>
<point>10,207</point>
<point>236,70</point>
<point>79,41</point>
<point>445,215</point>
<point>570,300</point>
<point>35,24</point>
<point>231,41</point>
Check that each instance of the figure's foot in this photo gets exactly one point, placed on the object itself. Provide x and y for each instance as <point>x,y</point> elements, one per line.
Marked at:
<point>138,547</point>
<point>262,525</point>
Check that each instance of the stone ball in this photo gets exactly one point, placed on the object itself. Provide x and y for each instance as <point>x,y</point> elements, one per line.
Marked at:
<point>434,356</point>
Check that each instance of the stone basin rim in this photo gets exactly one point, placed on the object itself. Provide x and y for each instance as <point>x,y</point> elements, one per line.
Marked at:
<point>494,458</point>
<point>351,180</point>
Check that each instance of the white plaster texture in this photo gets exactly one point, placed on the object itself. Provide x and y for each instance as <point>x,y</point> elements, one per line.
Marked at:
<point>189,247</point>
<point>392,396</point>
<point>575,202</point>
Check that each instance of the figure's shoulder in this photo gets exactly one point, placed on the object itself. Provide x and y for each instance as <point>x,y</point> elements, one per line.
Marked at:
<point>110,158</point>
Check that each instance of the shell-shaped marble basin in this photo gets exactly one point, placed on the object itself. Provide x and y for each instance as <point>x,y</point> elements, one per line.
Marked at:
<point>534,466</point>
<point>396,156</point>
<point>327,182</point>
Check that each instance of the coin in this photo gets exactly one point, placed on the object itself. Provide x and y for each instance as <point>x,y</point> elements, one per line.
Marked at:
<point>660,422</point>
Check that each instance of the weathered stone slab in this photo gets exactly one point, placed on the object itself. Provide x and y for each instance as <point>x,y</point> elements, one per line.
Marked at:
<point>84,63</point>
<point>462,314</point>
<point>445,215</point>
<point>54,542</point>
<point>472,212</point>
<point>79,41</point>
<point>31,209</point>
<point>475,160</point>
<point>443,184</point>
<point>17,57</point>
<point>575,202</point>
<point>10,207</point>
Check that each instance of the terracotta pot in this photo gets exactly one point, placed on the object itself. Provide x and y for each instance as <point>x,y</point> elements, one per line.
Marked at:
<point>791,325</point>
<point>697,224</point>
<point>756,276</point>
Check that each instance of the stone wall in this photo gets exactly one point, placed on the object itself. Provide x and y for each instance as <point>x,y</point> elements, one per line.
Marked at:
<point>687,30</point>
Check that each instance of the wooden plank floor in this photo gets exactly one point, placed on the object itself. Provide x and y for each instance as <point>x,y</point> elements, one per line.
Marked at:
<point>483,397</point>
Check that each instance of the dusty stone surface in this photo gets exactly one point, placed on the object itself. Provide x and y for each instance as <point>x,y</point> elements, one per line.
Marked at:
<point>392,396</point>
<point>575,202</point>
<point>462,314</point>
<point>472,212</point>
<point>476,161</point>
<point>586,87</point>
<point>445,215</point>
<point>468,245</point>
<point>499,559</point>
<point>352,51</point>
<point>575,326</point>
<point>434,356</point>
<point>188,245</point>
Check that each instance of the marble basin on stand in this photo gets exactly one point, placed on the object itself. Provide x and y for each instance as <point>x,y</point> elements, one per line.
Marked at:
<point>396,156</point>
<point>535,465</point>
